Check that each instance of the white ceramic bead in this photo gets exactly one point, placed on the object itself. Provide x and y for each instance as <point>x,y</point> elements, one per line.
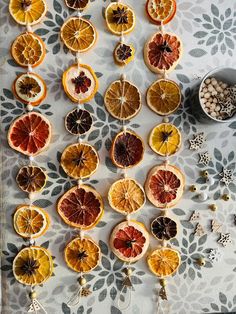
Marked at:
<point>202,196</point>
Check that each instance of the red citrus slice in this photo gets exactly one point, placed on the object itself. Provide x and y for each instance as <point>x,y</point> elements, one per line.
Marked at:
<point>161,11</point>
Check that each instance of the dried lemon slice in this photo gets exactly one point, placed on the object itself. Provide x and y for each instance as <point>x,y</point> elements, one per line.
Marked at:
<point>161,11</point>
<point>77,4</point>
<point>123,54</point>
<point>31,179</point>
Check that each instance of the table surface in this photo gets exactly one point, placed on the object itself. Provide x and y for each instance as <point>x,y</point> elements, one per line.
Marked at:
<point>208,31</point>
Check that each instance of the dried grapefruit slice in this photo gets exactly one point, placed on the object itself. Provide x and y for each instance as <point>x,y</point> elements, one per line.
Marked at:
<point>127,149</point>
<point>30,88</point>
<point>78,122</point>
<point>30,134</point>
<point>164,185</point>
<point>78,34</point>
<point>82,255</point>
<point>31,179</point>
<point>162,52</point>
<point>126,196</point>
<point>164,262</point>
<point>122,100</point>
<point>164,97</point>
<point>79,161</point>
<point>163,228</point>
<point>80,83</point>
<point>30,221</point>
<point>77,4</point>
<point>161,11</point>
<point>165,139</point>
<point>27,12</point>
<point>33,266</point>
<point>28,49</point>
<point>129,241</point>
<point>81,207</point>
<point>120,18</point>
<point>123,54</point>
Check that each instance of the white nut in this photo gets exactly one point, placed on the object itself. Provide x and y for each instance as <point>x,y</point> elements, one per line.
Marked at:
<point>214,93</point>
<point>207,95</point>
<point>217,108</point>
<point>208,104</point>
<point>205,90</point>
<point>210,99</point>
<point>210,88</point>
<point>221,95</point>
<point>218,89</point>
<point>213,114</point>
<point>208,81</point>
<point>201,94</point>
<point>224,85</point>
<point>213,81</point>
<point>212,107</point>
<point>215,101</point>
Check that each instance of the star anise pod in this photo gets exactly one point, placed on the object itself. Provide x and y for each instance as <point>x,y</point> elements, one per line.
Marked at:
<point>165,136</point>
<point>82,255</point>
<point>120,16</point>
<point>124,52</point>
<point>30,266</point>
<point>165,47</point>
<point>82,82</point>
<point>25,4</point>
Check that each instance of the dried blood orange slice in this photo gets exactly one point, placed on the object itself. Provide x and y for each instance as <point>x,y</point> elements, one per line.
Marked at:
<point>126,196</point>
<point>33,266</point>
<point>164,185</point>
<point>163,228</point>
<point>120,18</point>
<point>30,221</point>
<point>122,100</point>
<point>80,83</point>
<point>78,122</point>
<point>123,54</point>
<point>79,161</point>
<point>27,12</point>
<point>164,262</point>
<point>161,11</point>
<point>77,4</point>
<point>78,34</point>
<point>129,241</point>
<point>162,52</point>
<point>31,179</point>
<point>30,134</point>
<point>127,149</point>
<point>165,139</point>
<point>82,255</point>
<point>30,88</point>
<point>81,207</point>
<point>28,49</point>
<point>164,97</point>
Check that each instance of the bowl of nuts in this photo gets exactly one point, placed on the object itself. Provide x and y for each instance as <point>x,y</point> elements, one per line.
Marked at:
<point>217,94</point>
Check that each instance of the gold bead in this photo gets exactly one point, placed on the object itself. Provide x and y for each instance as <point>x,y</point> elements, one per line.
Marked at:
<point>213,207</point>
<point>165,119</point>
<point>33,295</point>
<point>193,188</point>
<point>226,197</point>
<point>205,174</point>
<point>129,271</point>
<point>201,261</point>
<point>82,281</point>
<point>163,282</point>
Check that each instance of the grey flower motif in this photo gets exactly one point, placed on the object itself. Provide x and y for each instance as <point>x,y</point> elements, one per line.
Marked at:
<point>222,305</point>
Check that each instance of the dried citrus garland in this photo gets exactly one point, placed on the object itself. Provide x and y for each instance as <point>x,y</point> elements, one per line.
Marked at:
<point>30,134</point>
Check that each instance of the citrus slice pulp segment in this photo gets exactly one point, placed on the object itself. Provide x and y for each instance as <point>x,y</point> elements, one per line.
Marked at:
<point>123,53</point>
<point>30,221</point>
<point>77,4</point>
<point>163,228</point>
<point>80,83</point>
<point>27,12</point>
<point>79,161</point>
<point>30,134</point>
<point>120,18</point>
<point>127,149</point>
<point>164,185</point>
<point>82,255</point>
<point>165,139</point>
<point>33,265</point>
<point>81,207</point>
<point>164,262</point>
<point>30,88</point>
<point>161,11</point>
<point>78,34</point>
<point>78,122</point>
<point>162,52</point>
<point>129,241</point>
<point>164,97</point>
<point>126,196</point>
<point>28,49</point>
<point>31,179</point>
<point>122,100</point>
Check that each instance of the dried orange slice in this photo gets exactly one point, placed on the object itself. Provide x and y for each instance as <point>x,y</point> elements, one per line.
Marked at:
<point>165,139</point>
<point>122,100</point>
<point>77,4</point>
<point>79,161</point>
<point>120,18</point>
<point>80,83</point>
<point>82,255</point>
<point>164,97</point>
<point>27,12</point>
<point>161,11</point>
<point>164,185</point>
<point>164,262</point>
<point>129,241</point>
<point>30,221</point>
<point>162,52</point>
<point>78,122</point>
<point>31,179</point>
<point>30,88</point>
<point>126,196</point>
<point>127,149</point>
<point>30,134</point>
<point>163,228</point>
<point>28,49</point>
<point>78,34</point>
<point>33,266</point>
<point>81,207</point>
<point>123,54</point>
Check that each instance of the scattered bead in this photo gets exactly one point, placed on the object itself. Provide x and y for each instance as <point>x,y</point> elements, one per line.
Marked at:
<point>201,261</point>
<point>203,196</point>
<point>82,281</point>
<point>210,180</point>
<point>163,282</point>
<point>193,188</point>
<point>226,197</point>
<point>213,207</point>
<point>129,271</point>
<point>205,174</point>
<point>33,295</point>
